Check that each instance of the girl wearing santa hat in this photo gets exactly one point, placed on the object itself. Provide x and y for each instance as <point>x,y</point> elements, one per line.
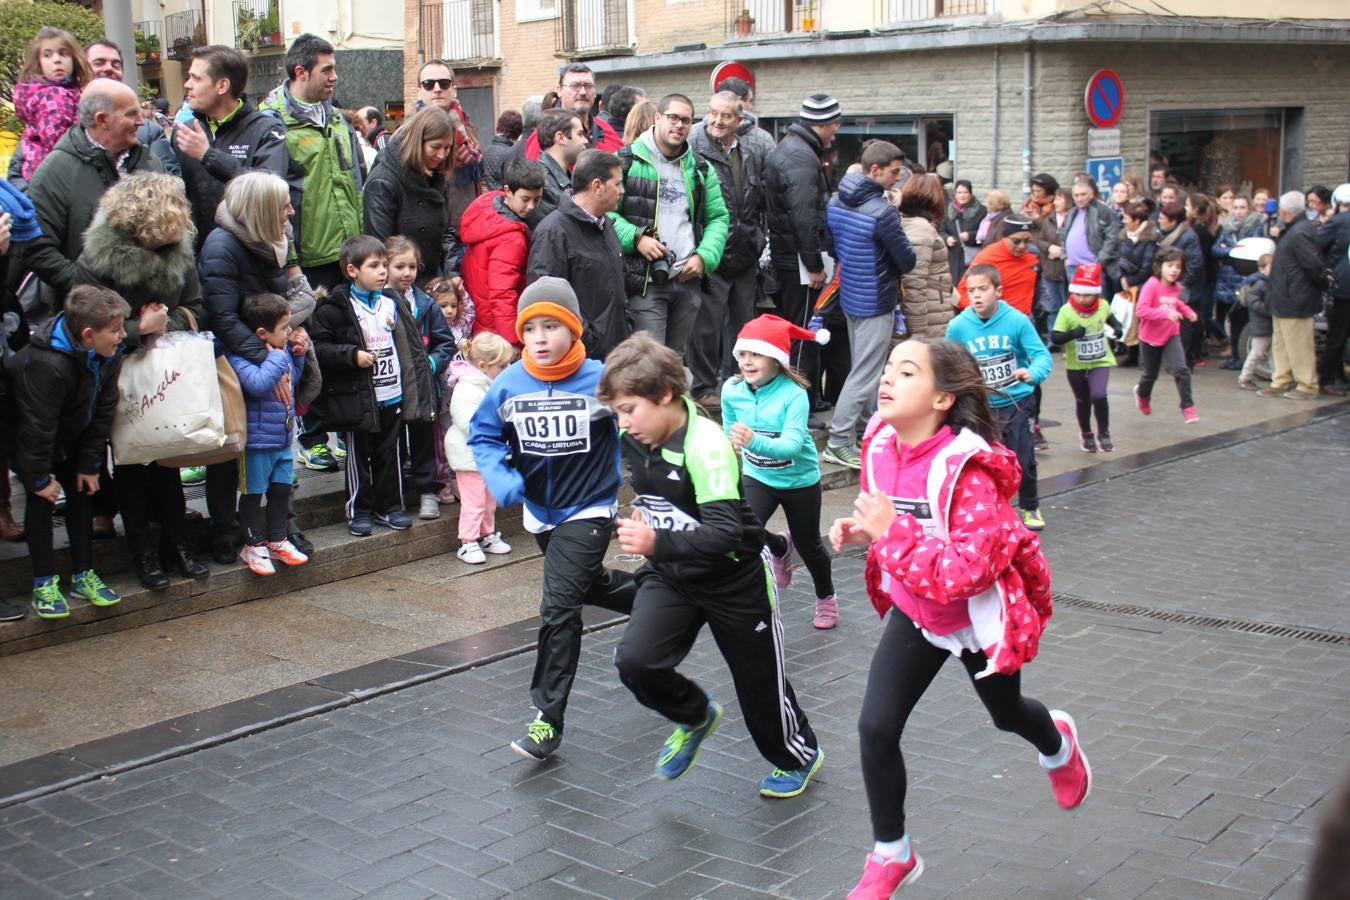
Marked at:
<point>1082,327</point>
<point>764,413</point>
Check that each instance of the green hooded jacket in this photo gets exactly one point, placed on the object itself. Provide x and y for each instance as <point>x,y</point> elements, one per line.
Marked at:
<point>324,174</point>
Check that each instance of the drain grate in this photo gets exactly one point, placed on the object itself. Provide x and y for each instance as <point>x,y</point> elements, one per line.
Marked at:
<point>1247,626</point>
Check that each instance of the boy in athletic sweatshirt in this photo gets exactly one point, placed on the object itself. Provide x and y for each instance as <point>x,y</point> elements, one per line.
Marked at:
<point>1013,361</point>
<point>540,437</point>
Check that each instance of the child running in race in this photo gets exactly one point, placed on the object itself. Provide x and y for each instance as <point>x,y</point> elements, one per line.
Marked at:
<point>960,576</point>
<point>705,564</point>
<point>486,356</point>
<point>1080,327</point>
<point>764,413</point>
<point>542,438</point>
<point>1160,310</point>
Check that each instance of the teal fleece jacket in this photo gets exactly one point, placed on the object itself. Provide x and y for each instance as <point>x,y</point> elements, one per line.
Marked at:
<point>781,454</point>
<point>1002,344</point>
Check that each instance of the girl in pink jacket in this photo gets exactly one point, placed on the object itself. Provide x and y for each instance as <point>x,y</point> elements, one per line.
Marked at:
<point>1160,310</point>
<point>959,573</point>
<point>47,95</point>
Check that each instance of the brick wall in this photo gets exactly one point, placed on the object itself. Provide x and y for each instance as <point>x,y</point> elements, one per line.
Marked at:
<point>960,82</point>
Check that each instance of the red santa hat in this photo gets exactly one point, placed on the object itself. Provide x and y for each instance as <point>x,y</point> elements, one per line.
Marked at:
<point>771,336</point>
<point>1087,280</point>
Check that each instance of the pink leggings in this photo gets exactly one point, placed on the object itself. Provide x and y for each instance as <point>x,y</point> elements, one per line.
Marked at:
<point>477,508</point>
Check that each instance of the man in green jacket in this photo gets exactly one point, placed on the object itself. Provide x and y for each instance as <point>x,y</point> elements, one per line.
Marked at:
<point>672,224</point>
<point>325,171</point>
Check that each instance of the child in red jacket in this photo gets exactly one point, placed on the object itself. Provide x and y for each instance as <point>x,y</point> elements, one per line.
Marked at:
<point>959,573</point>
<point>495,229</point>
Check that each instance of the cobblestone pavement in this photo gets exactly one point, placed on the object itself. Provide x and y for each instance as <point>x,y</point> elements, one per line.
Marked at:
<point>1211,748</point>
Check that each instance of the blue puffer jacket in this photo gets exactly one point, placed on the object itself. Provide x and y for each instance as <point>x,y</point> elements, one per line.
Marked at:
<point>1229,280</point>
<point>863,233</point>
<point>268,418</point>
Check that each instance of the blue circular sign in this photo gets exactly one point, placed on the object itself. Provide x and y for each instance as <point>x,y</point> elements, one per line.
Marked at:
<point>1104,98</point>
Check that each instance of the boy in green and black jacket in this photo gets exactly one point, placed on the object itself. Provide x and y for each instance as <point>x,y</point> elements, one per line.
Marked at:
<point>705,564</point>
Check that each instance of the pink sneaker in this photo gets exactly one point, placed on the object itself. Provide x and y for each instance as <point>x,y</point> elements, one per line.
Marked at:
<point>1073,780</point>
<point>287,553</point>
<point>1190,415</point>
<point>882,877</point>
<point>827,612</point>
<point>782,567</point>
<point>1143,403</point>
<point>257,559</point>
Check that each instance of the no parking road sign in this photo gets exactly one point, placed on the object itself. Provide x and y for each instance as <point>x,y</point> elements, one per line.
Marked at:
<point>1104,98</point>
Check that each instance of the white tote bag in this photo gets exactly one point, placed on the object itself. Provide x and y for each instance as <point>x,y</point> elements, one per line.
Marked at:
<point>168,400</point>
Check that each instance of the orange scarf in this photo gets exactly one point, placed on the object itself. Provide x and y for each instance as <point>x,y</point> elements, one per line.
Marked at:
<point>559,370</point>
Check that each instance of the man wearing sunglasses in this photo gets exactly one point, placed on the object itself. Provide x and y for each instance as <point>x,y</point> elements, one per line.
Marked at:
<point>576,91</point>
<point>672,224</point>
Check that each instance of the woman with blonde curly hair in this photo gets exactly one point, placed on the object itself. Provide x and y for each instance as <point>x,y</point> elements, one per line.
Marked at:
<point>140,245</point>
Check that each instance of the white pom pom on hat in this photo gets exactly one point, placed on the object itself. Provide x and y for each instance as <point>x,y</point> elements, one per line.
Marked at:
<point>772,336</point>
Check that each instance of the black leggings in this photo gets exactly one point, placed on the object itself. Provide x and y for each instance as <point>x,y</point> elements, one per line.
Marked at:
<point>801,508</point>
<point>1089,396</point>
<point>251,514</point>
<point>903,667</point>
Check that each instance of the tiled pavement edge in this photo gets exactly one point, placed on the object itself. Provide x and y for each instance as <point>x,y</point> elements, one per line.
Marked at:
<point>1211,749</point>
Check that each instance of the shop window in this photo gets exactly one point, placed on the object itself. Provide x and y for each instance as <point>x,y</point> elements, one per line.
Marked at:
<point>926,141</point>
<point>1205,148</point>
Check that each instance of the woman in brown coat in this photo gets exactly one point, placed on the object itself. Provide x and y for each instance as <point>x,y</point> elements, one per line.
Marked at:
<point>926,289</point>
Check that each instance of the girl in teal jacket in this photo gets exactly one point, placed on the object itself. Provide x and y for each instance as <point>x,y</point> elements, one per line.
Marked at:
<point>764,412</point>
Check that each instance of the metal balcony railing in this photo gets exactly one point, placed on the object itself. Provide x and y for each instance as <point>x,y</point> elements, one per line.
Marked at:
<point>591,27</point>
<point>184,32</point>
<point>895,12</point>
<point>748,18</point>
<point>149,41</point>
<point>257,24</point>
<point>461,31</point>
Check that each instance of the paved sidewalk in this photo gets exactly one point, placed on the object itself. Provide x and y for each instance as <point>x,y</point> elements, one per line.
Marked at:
<point>1211,748</point>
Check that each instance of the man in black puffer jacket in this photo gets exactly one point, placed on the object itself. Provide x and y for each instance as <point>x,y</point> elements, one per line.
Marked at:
<point>1333,239</point>
<point>227,135</point>
<point>734,288</point>
<point>796,188</point>
<point>1296,282</point>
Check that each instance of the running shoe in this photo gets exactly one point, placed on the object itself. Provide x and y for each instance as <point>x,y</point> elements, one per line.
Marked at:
<point>882,876</point>
<point>48,601</point>
<point>192,475</point>
<point>287,552</point>
<point>1189,415</point>
<point>318,459</point>
<point>540,740</point>
<point>1087,443</point>
<point>88,586</point>
<point>842,455</point>
<point>429,507</point>
<point>1105,443</point>
<point>1041,443</point>
<point>681,748</point>
<point>827,612</point>
<point>1144,404</point>
<point>257,558</point>
<point>471,552</point>
<point>493,543</point>
<point>1072,781</point>
<point>396,519</point>
<point>1032,519</point>
<point>783,783</point>
<point>340,449</point>
<point>782,567</point>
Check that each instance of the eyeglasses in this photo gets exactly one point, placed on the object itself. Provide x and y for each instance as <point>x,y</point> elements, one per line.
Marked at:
<point>677,120</point>
<point>581,87</point>
<point>444,84</point>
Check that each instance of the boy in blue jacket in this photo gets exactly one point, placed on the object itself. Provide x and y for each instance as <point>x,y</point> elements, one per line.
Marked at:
<point>266,464</point>
<point>542,438</point>
<point>1013,361</point>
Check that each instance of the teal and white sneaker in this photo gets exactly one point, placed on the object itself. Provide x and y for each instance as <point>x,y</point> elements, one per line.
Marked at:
<point>681,748</point>
<point>192,474</point>
<point>340,449</point>
<point>782,783</point>
<point>48,601</point>
<point>88,586</point>
<point>318,459</point>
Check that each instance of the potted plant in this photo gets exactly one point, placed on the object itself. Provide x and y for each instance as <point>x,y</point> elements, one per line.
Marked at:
<point>246,29</point>
<point>152,49</point>
<point>745,23</point>
<point>271,27</point>
<point>138,37</point>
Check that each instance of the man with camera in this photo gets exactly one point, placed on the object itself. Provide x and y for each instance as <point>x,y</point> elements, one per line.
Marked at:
<point>672,224</point>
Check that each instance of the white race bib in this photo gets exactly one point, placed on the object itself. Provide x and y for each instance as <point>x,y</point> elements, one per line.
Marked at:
<point>765,462</point>
<point>1090,347</point>
<point>997,370</point>
<point>552,426</point>
<point>662,515</point>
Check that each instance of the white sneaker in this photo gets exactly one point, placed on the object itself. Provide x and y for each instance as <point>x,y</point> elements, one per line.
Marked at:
<point>494,544</point>
<point>471,553</point>
<point>430,507</point>
<point>257,559</point>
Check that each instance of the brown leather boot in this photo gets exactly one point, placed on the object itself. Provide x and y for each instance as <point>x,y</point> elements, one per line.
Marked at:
<point>9,529</point>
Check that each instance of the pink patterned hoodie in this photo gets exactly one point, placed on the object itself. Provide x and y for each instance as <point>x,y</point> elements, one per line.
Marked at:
<point>47,110</point>
<point>957,560</point>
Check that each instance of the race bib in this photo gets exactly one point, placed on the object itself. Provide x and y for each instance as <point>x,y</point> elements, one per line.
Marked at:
<point>662,515</point>
<point>997,370</point>
<point>921,510</point>
<point>765,462</point>
<point>552,426</point>
<point>1090,347</point>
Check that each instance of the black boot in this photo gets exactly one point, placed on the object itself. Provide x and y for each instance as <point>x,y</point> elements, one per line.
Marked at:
<point>149,571</point>
<point>302,543</point>
<point>188,565</point>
